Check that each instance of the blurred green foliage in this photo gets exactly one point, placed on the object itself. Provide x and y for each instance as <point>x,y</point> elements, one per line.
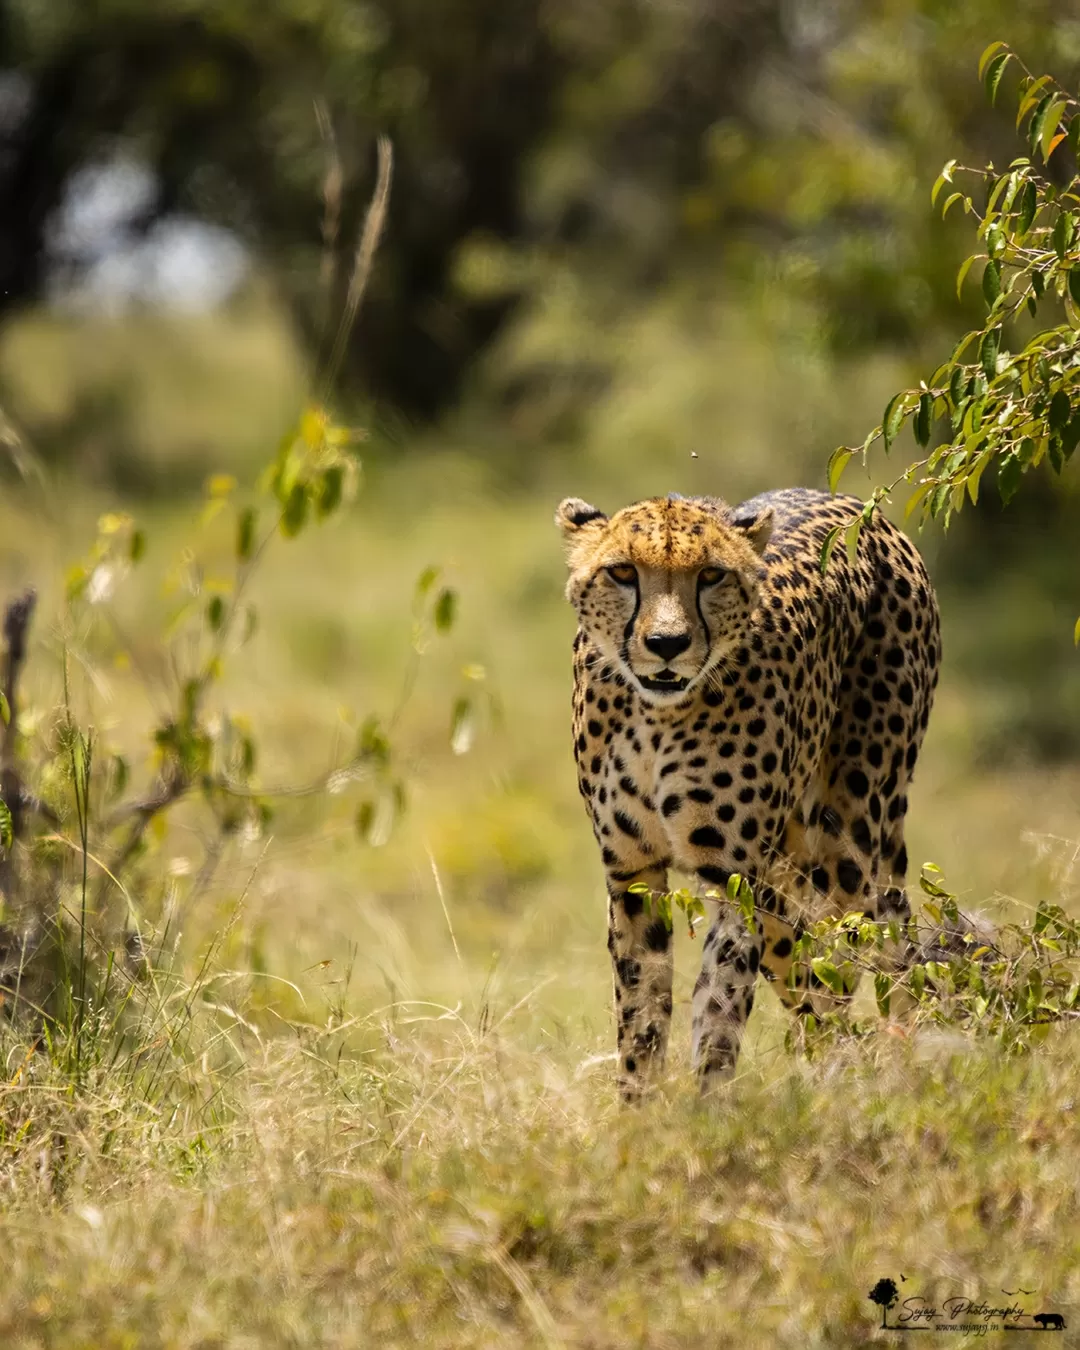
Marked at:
<point>595,155</point>
<point>620,232</point>
<point>1006,397</point>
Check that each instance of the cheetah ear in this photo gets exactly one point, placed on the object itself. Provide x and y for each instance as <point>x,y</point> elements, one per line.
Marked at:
<point>573,515</point>
<point>758,529</point>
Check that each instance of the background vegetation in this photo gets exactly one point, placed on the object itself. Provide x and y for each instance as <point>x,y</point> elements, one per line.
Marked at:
<point>359,1086</point>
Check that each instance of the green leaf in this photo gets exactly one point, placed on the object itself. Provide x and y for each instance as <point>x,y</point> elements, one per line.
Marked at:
<point>295,512</point>
<point>993,73</point>
<point>1031,96</point>
<point>1070,437</point>
<point>1009,473</point>
<point>445,610</point>
<point>215,613</point>
<point>974,476</point>
<point>1038,119</point>
<point>1051,119</point>
<point>851,538</point>
<point>922,419</point>
<point>950,201</point>
<point>372,743</point>
<point>1063,232</point>
<point>988,352</point>
<point>838,462</point>
<point>988,52</point>
<point>893,419</point>
<point>882,990</point>
<point>828,974</point>
<point>961,276</point>
<point>991,281</point>
<point>1038,284</point>
<point>1028,205</point>
<point>1060,410</point>
<point>426,580</point>
<point>945,176</point>
<point>137,546</point>
<point>5,710</point>
<point>1074,285</point>
<point>1007,180</point>
<point>740,892</point>
<point>248,755</point>
<point>245,533</point>
<point>916,497</point>
<point>331,483</point>
<point>462,727</point>
<point>1076,634</point>
<point>365,820</point>
<point>957,385</point>
<point>827,546</point>
<point>7,826</point>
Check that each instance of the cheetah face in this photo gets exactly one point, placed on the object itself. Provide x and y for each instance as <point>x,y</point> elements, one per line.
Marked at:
<point>665,588</point>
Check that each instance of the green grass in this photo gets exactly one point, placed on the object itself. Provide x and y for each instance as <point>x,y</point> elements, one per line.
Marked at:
<point>458,1187</point>
<point>391,1117</point>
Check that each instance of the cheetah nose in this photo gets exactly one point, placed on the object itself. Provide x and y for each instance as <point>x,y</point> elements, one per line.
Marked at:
<point>668,646</point>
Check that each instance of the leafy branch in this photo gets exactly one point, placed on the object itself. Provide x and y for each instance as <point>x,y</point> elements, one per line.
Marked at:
<point>1009,394</point>
<point>199,749</point>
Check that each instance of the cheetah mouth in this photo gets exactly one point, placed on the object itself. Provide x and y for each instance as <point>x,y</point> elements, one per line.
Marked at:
<point>664,682</point>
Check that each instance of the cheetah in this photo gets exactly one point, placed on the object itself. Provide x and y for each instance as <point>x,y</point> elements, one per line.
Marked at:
<point>736,710</point>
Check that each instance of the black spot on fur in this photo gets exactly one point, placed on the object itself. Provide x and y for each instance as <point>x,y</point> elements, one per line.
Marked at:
<point>633,903</point>
<point>656,936</point>
<point>857,782</point>
<point>628,826</point>
<point>628,972</point>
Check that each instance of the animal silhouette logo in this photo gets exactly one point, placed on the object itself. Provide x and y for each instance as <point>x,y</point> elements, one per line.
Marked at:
<point>1049,1321</point>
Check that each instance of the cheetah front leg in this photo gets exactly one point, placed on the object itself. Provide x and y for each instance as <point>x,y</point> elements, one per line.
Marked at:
<point>641,957</point>
<point>724,994</point>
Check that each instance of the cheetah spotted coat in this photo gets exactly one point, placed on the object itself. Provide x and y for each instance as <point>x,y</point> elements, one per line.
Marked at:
<point>737,711</point>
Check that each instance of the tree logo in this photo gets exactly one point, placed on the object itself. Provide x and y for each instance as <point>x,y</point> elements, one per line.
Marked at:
<point>884,1294</point>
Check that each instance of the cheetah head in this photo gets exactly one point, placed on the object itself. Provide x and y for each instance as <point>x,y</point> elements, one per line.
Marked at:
<point>665,588</point>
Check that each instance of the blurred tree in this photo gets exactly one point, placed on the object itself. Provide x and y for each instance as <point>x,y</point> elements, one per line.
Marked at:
<point>217,98</point>
<point>617,151</point>
<point>635,143</point>
<point>777,157</point>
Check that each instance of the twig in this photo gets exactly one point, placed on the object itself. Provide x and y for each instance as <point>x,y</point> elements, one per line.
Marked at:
<point>17,618</point>
<point>141,813</point>
<point>374,221</point>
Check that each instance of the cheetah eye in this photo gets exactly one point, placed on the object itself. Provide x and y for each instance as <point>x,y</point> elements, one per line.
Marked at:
<point>711,576</point>
<point>624,574</point>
